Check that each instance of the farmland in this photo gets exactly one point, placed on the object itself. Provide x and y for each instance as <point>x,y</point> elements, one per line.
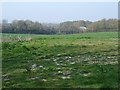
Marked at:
<point>87,60</point>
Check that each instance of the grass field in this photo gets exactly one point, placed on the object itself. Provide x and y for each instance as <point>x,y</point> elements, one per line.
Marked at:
<point>87,60</point>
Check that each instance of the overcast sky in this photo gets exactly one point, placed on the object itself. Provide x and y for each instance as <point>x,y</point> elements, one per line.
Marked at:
<point>52,12</point>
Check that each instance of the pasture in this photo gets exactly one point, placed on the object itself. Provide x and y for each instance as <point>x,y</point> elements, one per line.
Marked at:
<point>87,60</point>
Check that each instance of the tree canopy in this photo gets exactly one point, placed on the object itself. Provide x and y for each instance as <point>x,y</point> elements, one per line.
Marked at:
<point>69,27</point>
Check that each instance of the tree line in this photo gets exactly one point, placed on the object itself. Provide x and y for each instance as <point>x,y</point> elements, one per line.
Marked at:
<point>69,27</point>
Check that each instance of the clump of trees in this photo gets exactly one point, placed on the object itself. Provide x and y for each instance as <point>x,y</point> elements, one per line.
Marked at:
<point>73,26</point>
<point>69,27</point>
<point>103,26</point>
<point>25,27</point>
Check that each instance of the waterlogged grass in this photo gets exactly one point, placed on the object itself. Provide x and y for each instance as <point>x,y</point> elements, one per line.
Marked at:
<point>61,61</point>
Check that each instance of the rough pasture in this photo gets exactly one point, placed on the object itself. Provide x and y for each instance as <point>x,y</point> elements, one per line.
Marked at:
<point>66,61</point>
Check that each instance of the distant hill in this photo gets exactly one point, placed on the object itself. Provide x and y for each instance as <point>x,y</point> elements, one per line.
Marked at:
<point>68,27</point>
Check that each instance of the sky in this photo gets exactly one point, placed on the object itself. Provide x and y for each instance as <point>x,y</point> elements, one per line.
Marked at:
<point>56,12</point>
<point>59,0</point>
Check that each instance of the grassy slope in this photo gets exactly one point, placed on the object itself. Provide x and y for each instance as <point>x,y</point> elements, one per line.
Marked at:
<point>79,60</point>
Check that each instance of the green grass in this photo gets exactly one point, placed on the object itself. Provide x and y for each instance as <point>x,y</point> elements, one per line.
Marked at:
<point>87,60</point>
<point>104,35</point>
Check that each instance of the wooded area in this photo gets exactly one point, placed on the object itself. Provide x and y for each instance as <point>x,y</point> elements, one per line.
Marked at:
<point>69,27</point>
